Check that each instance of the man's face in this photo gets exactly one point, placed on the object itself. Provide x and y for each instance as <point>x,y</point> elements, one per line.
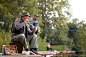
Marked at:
<point>25,17</point>
<point>36,17</point>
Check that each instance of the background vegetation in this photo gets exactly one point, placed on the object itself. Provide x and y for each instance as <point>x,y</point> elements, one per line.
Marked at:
<point>53,21</point>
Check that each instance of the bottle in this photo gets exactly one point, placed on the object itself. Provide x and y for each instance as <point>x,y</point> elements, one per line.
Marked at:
<point>35,28</point>
<point>3,50</point>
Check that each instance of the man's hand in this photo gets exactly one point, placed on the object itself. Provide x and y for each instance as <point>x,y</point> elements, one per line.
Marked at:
<point>34,30</point>
<point>26,21</point>
<point>38,30</point>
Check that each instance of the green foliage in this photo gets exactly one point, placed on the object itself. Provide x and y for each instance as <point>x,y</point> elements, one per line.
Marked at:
<point>78,35</point>
<point>12,9</point>
<point>54,15</point>
<point>45,8</point>
<point>5,38</point>
<point>41,45</point>
<point>50,9</point>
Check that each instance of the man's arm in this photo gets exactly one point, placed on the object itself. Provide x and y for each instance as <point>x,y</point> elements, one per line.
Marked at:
<point>17,24</point>
<point>38,29</point>
<point>31,24</point>
<point>31,32</point>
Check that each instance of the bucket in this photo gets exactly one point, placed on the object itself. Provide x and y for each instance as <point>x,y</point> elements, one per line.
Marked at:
<point>3,50</point>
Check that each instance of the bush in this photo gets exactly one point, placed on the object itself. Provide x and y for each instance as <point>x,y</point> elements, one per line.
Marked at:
<point>5,38</point>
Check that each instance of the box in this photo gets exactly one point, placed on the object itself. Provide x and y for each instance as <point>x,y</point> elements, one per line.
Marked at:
<point>19,47</point>
<point>12,49</point>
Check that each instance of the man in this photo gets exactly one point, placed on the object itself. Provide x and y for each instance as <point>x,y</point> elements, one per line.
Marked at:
<point>34,23</point>
<point>21,32</point>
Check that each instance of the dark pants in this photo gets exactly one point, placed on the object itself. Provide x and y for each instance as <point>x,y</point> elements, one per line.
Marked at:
<point>35,49</point>
<point>49,49</point>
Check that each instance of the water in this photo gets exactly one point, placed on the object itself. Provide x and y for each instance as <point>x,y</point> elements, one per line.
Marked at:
<point>71,55</point>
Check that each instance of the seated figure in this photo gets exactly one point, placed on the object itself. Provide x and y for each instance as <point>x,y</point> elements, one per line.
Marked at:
<point>21,33</point>
<point>49,48</point>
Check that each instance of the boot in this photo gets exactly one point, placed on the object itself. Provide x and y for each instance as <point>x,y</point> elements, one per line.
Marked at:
<point>35,52</point>
<point>27,49</point>
<point>30,52</point>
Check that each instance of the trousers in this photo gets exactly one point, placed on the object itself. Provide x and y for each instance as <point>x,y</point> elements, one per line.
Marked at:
<point>21,38</point>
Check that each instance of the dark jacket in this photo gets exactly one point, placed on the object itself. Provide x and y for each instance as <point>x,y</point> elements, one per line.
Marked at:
<point>20,27</point>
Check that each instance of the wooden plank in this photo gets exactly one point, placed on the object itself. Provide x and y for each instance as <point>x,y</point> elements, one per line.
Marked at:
<point>20,55</point>
<point>55,52</point>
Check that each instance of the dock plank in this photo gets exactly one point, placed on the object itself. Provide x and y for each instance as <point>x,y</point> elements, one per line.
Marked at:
<point>20,55</point>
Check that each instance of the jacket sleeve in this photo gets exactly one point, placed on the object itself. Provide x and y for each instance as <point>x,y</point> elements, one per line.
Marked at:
<point>30,32</point>
<point>17,24</point>
<point>31,24</point>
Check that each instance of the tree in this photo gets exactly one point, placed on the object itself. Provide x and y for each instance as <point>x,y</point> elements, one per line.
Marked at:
<point>45,8</point>
<point>54,16</point>
<point>12,9</point>
<point>78,34</point>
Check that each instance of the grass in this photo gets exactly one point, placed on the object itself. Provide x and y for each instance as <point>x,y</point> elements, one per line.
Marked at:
<point>42,45</point>
<point>58,47</point>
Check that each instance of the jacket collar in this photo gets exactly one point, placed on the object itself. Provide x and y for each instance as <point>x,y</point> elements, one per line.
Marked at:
<point>21,20</point>
<point>33,19</point>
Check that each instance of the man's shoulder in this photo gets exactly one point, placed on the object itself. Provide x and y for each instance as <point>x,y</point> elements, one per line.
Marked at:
<point>31,19</point>
<point>17,20</point>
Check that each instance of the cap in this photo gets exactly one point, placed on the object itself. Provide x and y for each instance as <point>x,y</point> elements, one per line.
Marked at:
<point>25,13</point>
<point>36,15</point>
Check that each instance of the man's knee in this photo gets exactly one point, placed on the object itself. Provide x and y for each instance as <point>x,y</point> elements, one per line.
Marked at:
<point>31,37</point>
<point>34,36</point>
<point>21,36</point>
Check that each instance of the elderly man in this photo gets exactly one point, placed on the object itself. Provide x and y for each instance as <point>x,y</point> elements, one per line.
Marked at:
<point>34,23</point>
<point>21,32</point>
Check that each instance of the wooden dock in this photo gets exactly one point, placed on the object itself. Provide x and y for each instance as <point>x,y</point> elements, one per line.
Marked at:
<point>43,54</point>
<point>56,53</point>
<point>20,55</point>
